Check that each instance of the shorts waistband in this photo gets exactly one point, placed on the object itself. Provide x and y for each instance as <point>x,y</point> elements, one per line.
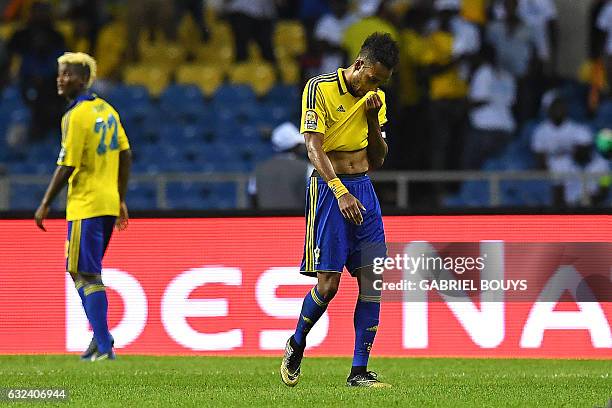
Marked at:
<point>342,176</point>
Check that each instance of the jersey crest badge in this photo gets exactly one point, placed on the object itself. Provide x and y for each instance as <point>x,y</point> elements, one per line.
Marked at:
<point>311,120</point>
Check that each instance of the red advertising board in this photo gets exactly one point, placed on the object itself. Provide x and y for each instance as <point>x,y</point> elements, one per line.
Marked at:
<point>230,286</point>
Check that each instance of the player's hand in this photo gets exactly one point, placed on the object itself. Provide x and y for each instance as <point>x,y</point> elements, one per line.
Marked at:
<point>41,213</point>
<point>123,219</point>
<point>351,208</point>
<point>373,105</point>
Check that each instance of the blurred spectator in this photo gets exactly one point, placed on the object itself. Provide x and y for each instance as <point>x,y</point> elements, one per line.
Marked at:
<point>196,9</point>
<point>328,34</point>
<point>252,20</point>
<point>558,135</point>
<point>604,23</point>
<point>540,16</point>
<point>593,70</point>
<point>88,16</point>
<point>410,149</point>
<point>597,36</point>
<point>562,146</point>
<point>280,182</point>
<point>356,33</point>
<point>514,45</point>
<point>151,16</point>
<point>492,94</point>
<point>586,160</point>
<point>288,9</point>
<point>367,8</point>
<point>451,44</point>
<point>39,45</point>
<point>311,11</point>
<point>4,65</point>
<point>475,11</point>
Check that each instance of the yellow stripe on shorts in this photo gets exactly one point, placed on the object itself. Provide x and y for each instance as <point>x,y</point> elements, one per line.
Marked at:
<point>310,234</point>
<point>74,246</point>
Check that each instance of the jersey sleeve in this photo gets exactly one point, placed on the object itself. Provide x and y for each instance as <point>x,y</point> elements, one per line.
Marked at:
<point>73,140</point>
<point>124,143</point>
<point>313,109</point>
<point>382,113</point>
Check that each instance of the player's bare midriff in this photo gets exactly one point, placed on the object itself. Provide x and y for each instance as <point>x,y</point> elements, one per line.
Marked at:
<point>349,162</point>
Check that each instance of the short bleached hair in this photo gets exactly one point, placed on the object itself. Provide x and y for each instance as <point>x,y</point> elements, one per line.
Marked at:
<point>80,58</point>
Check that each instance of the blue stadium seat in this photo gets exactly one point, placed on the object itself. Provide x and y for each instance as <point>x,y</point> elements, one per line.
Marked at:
<point>233,95</point>
<point>141,196</point>
<point>199,195</point>
<point>455,201</point>
<point>182,102</point>
<point>603,117</point>
<point>127,94</point>
<point>183,196</point>
<point>475,193</point>
<point>131,101</point>
<point>494,164</point>
<point>21,115</point>
<point>223,195</point>
<point>151,125</point>
<point>256,151</point>
<point>226,131</point>
<point>21,167</point>
<point>281,94</point>
<point>26,197</point>
<point>526,193</point>
<point>279,113</point>
<point>10,94</point>
<point>11,100</point>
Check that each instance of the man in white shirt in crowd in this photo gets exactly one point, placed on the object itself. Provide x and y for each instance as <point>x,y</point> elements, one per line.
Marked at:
<point>540,16</point>
<point>565,146</point>
<point>515,44</point>
<point>492,125</point>
<point>329,32</point>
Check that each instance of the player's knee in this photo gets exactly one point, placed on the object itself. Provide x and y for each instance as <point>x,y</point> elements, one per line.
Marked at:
<point>328,285</point>
<point>90,279</point>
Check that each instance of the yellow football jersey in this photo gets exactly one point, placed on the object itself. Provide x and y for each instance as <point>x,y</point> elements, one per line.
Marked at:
<point>92,137</point>
<point>326,102</point>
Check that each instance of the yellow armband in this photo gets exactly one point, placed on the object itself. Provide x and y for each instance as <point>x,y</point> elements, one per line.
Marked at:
<point>337,187</point>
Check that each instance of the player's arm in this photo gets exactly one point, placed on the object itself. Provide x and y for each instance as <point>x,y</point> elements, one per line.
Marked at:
<point>313,128</point>
<point>377,147</point>
<point>69,159</point>
<point>58,181</point>
<point>350,207</point>
<point>125,164</point>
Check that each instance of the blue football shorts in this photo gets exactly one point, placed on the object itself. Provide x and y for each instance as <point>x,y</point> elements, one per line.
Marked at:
<point>333,242</point>
<point>86,244</point>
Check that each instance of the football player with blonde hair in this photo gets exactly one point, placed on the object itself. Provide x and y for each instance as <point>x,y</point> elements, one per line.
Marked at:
<point>94,161</point>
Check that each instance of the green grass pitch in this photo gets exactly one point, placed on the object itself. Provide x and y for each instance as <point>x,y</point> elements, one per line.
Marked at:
<point>251,382</point>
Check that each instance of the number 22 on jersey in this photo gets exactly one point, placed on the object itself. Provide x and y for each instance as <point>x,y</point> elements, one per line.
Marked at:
<point>102,127</point>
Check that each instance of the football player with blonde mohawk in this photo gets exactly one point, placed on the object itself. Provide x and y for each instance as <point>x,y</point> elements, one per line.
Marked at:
<point>94,161</point>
